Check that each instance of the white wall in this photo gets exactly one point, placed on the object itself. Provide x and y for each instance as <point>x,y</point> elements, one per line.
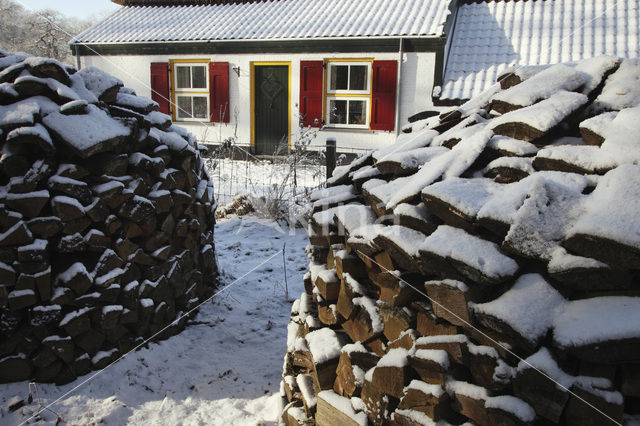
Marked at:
<point>415,91</point>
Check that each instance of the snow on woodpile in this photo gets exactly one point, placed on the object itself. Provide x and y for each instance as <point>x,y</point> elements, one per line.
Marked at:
<point>106,224</point>
<point>484,266</point>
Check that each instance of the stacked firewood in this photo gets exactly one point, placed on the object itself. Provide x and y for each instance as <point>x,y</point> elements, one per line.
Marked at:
<point>106,224</point>
<point>483,268</point>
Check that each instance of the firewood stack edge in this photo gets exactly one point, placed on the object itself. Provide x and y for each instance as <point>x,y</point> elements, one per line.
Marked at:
<point>106,224</point>
<point>484,268</point>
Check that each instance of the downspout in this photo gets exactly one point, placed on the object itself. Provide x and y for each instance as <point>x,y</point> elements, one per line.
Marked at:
<point>398,84</point>
<point>76,52</point>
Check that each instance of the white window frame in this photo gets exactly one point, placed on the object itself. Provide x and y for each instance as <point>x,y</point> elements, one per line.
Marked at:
<point>330,66</point>
<point>348,95</point>
<point>190,92</point>
<point>367,111</point>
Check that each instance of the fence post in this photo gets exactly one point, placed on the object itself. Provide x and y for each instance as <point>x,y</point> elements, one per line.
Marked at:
<point>330,155</point>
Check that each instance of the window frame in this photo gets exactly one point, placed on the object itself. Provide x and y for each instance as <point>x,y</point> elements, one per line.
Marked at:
<point>189,92</point>
<point>347,95</point>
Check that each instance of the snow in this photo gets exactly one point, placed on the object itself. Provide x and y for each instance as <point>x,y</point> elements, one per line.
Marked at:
<point>394,358</point>
<point>414,158</point>
<point>319,194</point>
<point>504,205</point>
<point>417,417</point>
<point>135,102</point>
<point>466,195</point>
<point>454,338</point>
<point>344,405</point>
<point>419,212</point>
<point>561,261</point>
<point>323,344</point>
<point>55,86</point>
<point>407,239</point>
<point>366,172</point>
<point>581,321</point>
<point>545,114</point>
<point>512,405</point>
<point>517,163</point>
<point>438,356</point>
<point>305,384</point>
<point>542,221</point>
<point>97,80</point>
<point>590,158</point>
<point>73,315</point>
<point>85,131</point>
<point>511,145</point>
<point>544,361</point>
<point>467,389</point>
<point>37,130</point>
<point>370,306</point>
<point>481,350</point>
<point>542,86</point>
<point>20,293</point>
<point>102,355</point>
<point>605,215</point>
<point>622,88</point>
<point>449,165</point>
<point>483,255</point>
<point>354,347</point>
<point>426,388</point>
<point>406,142</point>
<point>19,114</point>
<point>36,245</point>
<point>528,307</point>
<point>174,141</point>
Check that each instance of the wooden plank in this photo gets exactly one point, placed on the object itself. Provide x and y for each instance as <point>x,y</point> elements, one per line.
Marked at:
<point>328,414</point>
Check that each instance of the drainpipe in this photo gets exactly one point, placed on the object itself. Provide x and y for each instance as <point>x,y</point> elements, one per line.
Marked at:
<point>76,51</point>
<point>398,81</point>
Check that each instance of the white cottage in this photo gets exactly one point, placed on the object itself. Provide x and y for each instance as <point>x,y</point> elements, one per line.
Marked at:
<point>355,69</point>
<point>257,69</point>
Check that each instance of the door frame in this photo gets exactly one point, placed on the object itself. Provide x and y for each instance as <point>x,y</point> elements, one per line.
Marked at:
<point>253,98</point>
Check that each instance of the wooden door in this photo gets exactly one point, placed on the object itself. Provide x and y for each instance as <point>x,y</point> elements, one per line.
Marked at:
<point>271,108</point>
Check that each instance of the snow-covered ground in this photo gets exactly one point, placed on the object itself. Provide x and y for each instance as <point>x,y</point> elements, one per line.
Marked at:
<point>224,369</point>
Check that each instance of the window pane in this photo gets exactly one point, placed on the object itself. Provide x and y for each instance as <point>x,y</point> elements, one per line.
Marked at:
<point>337,111</point>
<point>183,77</point>
<point>200,107</point>
<point>339,77</point>
<point>184,107</point>
<point>357,112</point>
<point>199,77</point>
<point>358,77</point>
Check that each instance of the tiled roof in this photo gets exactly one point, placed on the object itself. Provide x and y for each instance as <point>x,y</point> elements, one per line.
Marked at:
<point>278,19</point>
<point>491,36</point>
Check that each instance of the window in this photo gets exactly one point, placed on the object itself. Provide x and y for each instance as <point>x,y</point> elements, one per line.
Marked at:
<point>348,95</point>
<point>191,90</point>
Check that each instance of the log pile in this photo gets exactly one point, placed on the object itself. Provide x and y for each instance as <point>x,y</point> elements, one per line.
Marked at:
<point>446,289</point>
<point>106,224</point>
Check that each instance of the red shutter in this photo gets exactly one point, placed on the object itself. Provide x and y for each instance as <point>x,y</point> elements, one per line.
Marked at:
<point>160,85</point>
<point>219,91</point>
<point>311,93</point>
<point>383,96</point>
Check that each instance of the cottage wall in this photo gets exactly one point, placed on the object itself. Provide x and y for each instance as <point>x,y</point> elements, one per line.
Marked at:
<point>417,74</point>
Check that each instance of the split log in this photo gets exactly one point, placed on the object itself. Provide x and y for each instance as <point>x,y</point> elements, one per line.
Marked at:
<point>406,340</point>
<point>432,365</point>
<point>379,406</point>
<point>354,361</point>
<point>392,373</point>
<point>334,409</point>
<point>427,324</point>
<point>328,285</point>
<point>305,384</point>
<point>396,320</point>
<point>454,345</point>
<point>294,415</point>
<point>431,400</point>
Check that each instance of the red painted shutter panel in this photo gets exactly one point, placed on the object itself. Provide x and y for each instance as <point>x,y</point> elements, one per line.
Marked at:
<point>219,91</point>
<point>311,93</point>
<point>383,96</point>
<point>160,85</point>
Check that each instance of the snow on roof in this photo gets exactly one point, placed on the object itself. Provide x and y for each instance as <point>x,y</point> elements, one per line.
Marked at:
<point>490,37</point>
<point>268,20</point>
